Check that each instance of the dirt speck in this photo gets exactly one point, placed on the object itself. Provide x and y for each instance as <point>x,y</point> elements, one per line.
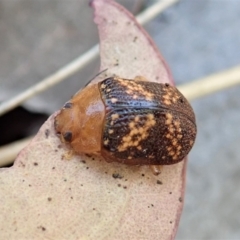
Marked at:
<point>47,132</point>
<point>159,182</point>
<point>117,175</point>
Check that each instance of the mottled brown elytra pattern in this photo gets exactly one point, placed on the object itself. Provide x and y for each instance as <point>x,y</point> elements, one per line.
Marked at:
<point>145,122</point>
<point>134,122</point>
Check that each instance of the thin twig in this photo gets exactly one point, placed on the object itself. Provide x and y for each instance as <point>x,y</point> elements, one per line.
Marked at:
<point>152,11</point>
<point>50,81</point>
<point>192,90</point>
<point>78,63</point>
<point>9,152</point>
<point>211,84</point>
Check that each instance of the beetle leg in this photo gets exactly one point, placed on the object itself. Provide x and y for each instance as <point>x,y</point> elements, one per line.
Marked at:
<point>68,155</point>
<point>156,169</point>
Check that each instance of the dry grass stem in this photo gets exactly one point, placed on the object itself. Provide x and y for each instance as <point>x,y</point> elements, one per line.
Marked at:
<point>211,83</point>
<point>78,63</point>
<point>192,90</point>
<point>9,152</point>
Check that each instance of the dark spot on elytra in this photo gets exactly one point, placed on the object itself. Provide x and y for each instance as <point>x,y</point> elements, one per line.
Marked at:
<point>47,132</point>
<point>136,136</point>
<point>143,174</point>
<point>67,136</point>
<point>181,100</point>
<point>125,187</point>
<point>83,161</point>
<point>170,192</point>
<point>88,155</point>
<point>49,199</point>
<point>180,199</point>
<point>119,185</point>
<point>35,164</point>
<point>167,84</point>
<point>117,175</point>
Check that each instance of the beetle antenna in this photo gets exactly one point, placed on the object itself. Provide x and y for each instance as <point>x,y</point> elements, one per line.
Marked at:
<point>96,76</point>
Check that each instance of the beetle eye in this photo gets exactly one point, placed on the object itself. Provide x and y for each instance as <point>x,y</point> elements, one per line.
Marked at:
<point>67,105</point>
<point>67,136</point>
